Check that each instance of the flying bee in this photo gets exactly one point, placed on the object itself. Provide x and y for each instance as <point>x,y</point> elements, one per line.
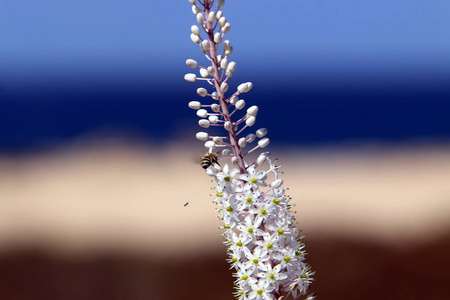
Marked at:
<point>208,160</point>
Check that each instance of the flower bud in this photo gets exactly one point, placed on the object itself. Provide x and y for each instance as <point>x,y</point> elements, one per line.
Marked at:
<point>228,73</point>
<point>234,100</point>
<point>217,38</point>
<point>202,92</point>
<point>191,1</point>
<point>190,77</point>
<point>210,71</point>
<point>224,63</point>
<point>240,104</point>
<point>252,111</point>
<point>222,21</point>
<point>200,18</point>
<point>191,63</point>
<point>213,119</point>
<point>226,28</point>
<point>226,45</point>
<point>228,125</point>
<point>202,113</point>
<point>204,73</point>
<point>250,137</point>
<point>235,160</point>
<point>224,87</point>
<point>250,121</point>
<point>261,132</point>
<point>218,140</point>
<point>249,86</point>
<point>211,16</point>
<point>195,10</point>
<point>242,87</point>
<point>195,30</point>
<point>215,107</point>
<point>201,48</point>
<point>226,152</point>
<point>263,142</point>
<point>204,123</point>
<point>232,66</point>
<point>205,45</point>
<point>220,3</point>
<point>242,142</point>
<point>261,159</point>
<point>214,96</point>
<point>276,184</point>
<point>195,38</point>
<point>229,51</point>
<point>202,136</point>
<point>210,144</point>
<point>219,14</point>
<point>195,104</point>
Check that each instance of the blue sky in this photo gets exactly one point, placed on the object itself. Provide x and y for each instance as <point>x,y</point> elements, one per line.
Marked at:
<point>48,36</point>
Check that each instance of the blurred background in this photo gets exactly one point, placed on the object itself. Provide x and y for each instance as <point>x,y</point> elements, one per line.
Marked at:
<point>98,154</point>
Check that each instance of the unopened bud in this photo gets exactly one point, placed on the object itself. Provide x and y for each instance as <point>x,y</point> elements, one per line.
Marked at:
<point>261,159</point>
<point>226,28</point>
<point>249,86</point>
<point>224,87</point>
<point>204,123</point>
<point>210,71</point>
<point>195,9</point>
<point>234,100</point>
<point>195,38</point>
<point>195,30</point>
<point>263,142</point>
<point>202,136</point>
<point>276,184</point>
<point>252,111</point>
<point>215,107</point>
<point>261,132</point>
<point>200,18</point>
<point>250,137</point>
<point>242,142</point>
<point>220,3</point>
<point>217,38</point>
<point>195,104</point>
<point>204,73</point>
<point>210,145</point>
<point>240,104</point>
<point>250,121</point>
<point>202,113</point>
<point>190,77</point>
<point>191,63</point>
<point>242,88</point>
<point>226,152</point>
<point>226,45</point>
<point>219,14</point>
<point>205,45</point>
<point>224,63</point>
<point>222,21</point>
<point>202,92</point>
<point>191,1</point>
<point>213,119</point>
<point>214,96</point>
<point>218,140</point>
<point>228,125</point>
<point>235,160</point>
<point>211,16</point>
<point>232,66</point>
<point>229,51</point>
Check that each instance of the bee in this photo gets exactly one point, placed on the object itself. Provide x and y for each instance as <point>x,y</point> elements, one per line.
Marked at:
<point>208,160</point>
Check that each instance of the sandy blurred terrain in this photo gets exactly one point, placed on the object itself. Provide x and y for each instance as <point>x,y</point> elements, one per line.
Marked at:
<point>112,195</point>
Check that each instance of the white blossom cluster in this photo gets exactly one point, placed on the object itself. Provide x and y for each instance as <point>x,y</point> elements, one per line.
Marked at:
<point>264,245</point>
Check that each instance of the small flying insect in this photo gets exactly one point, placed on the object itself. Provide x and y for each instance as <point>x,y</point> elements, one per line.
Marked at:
<point>311,296</point>
<point>186,204</point>
<point>208,160</point>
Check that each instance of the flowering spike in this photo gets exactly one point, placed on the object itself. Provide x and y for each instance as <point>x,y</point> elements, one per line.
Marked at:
<point>265,247</point>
